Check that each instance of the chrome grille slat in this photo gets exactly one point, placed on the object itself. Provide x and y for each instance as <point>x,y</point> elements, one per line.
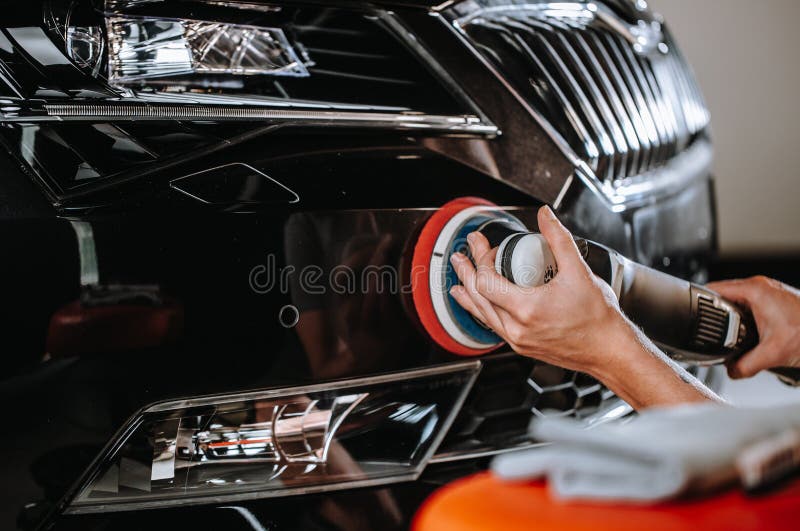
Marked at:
<point>670,93</point>
<point>687,99</point>
<point>646,137</point>
<point>601,135</point>
<point>662,102</point>
<point>692,99</point>
<point>592,150</point>
<point>513,39</point>
<point>627,109</point>
<point>634,146</point>
<point>607,166</point>
<point>604,109</point>
<point>641,80</point>
<point>643,104</point>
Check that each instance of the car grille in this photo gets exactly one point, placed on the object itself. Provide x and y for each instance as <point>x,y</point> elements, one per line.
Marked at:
<point>513,390</point>
<point>581,67</point>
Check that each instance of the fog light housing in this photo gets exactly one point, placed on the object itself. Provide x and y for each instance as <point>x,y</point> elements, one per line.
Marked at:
<point>355,433</point>
<point>141,48</point>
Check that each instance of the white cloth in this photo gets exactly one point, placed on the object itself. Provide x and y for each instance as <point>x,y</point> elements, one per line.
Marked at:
<point>660,454</point>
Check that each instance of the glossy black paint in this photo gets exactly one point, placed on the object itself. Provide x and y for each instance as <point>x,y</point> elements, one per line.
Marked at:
<point>233,339</point>
<point>77,163</point>
<point>364,509</point>
<point>362,197</point>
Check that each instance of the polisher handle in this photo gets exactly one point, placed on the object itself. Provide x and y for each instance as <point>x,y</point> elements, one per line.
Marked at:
<point>705,327</point>
<point>788,375</point>
<point>688,318</point>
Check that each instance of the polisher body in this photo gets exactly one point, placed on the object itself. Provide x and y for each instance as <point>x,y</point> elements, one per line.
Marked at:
<point>688,320</point>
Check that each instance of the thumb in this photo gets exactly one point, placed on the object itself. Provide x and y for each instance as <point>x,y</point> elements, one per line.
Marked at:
<point>761,358</point>
<point>560,241</point>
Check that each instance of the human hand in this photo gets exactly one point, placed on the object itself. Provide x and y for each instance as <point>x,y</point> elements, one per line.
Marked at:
<point>776,310</point>
<point>573,321</point>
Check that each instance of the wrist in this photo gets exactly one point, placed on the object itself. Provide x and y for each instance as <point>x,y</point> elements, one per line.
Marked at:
<point>641,374</point>
<point>616,345</point>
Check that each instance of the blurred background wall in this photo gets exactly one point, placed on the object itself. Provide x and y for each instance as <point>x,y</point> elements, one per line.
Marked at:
<point>744,53</point>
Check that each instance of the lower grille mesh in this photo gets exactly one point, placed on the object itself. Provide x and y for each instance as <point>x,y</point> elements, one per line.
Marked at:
<point>511,391</point>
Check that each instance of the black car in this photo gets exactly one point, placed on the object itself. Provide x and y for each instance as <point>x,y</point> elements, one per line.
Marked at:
<point>208,209</point>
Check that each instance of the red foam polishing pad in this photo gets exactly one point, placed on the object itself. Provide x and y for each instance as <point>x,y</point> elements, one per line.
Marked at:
<point>420,275</point>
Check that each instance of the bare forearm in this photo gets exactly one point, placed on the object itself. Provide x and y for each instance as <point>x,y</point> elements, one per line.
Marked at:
<point>642,375</point>
<point>574,321</point>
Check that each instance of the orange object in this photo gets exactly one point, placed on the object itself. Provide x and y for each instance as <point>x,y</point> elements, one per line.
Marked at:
<point>483,502</point>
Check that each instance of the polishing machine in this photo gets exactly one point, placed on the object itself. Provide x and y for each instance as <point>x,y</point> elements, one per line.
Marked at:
<point>689,320</point>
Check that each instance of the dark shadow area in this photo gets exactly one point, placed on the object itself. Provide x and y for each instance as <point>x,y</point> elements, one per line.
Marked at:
<point>785,268</point>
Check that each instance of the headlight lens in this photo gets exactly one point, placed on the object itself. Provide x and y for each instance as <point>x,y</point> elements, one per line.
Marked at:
<point>361,432</point>
<point>142,48</point>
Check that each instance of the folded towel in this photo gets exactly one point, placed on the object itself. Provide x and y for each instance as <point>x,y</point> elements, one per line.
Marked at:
<point>660,454</point>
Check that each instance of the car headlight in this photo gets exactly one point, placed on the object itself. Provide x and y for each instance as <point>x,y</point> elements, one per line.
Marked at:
<point>142,48</point>
<point>96,92</point>
<point>278,442</point>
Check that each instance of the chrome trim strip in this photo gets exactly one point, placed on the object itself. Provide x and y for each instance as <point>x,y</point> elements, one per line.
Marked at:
<point>563,192</point>
<point>331,386</point>
<point>133,96</point>
<point>125,112</point>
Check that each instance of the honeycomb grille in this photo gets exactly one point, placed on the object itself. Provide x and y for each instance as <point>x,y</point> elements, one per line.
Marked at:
<point>512,390</point>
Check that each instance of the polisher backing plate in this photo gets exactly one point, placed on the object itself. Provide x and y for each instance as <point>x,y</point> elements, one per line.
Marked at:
<point>447,323</point>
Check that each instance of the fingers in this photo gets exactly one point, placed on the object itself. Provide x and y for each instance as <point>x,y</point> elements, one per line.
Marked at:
<point>739,291</point>
<point>481,307</point>
<point>461,296</point>
<point>560,241</point>
<point>492,286</point>
<point>481,250</point>
<point>764,356</point>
